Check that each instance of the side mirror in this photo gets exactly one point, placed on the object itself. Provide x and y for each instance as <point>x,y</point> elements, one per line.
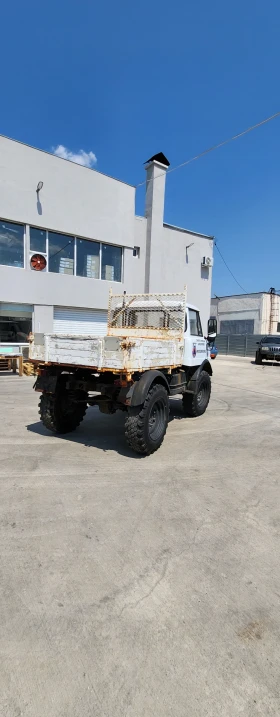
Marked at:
<point>211,336</point>
<point>258,343</point>
<point>212,327</point>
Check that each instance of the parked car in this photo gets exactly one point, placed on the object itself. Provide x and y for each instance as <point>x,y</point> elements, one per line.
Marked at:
<point>268,349</point>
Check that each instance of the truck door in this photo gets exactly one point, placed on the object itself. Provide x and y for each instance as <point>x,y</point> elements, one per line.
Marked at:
<point>195,346</point>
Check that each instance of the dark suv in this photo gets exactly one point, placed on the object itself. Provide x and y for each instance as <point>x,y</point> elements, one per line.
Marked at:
<point>269,349</point>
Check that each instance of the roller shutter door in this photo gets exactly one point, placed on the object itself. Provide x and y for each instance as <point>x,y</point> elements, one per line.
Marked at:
<point>81,322</point>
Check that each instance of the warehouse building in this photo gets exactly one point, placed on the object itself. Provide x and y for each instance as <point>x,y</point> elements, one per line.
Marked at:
<point>68,234</point>
<point>242,314</point>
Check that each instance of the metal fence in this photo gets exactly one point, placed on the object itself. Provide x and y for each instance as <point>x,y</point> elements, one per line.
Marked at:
<point>237,345</point>
<point>150,315</point>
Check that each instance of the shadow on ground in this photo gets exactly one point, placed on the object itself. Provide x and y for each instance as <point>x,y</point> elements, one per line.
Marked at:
<point>104,432</point>
<point>266,364</point>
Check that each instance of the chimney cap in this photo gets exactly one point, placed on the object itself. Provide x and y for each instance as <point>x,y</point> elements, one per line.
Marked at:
<point>160,157</point>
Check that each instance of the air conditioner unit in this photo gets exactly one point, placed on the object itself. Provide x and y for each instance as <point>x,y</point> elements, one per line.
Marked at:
<point>207,261</point>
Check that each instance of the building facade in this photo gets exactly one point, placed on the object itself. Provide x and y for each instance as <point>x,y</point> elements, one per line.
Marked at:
<point>68,234</point>
<point>247,313</point>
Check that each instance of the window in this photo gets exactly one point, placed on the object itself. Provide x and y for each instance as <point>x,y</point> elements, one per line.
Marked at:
<point>38,240</point>
<point>13,329</point>
<point>111,265</point>
<point>271,340</point>
<point>11,244</point>
<point>15,322</point>
<point>237,326</point>
<point>61,253</point>
<point>136,251</point>
<point>278,328</point>
<point>195,324</point>
<point>88,258</point>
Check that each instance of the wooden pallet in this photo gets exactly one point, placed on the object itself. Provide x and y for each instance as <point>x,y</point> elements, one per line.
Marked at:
<point>5,365</point>
<point>29,369</point>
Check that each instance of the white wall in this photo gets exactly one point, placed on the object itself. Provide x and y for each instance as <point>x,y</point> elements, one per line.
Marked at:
<point>88,204</point>
<point>174,271</point>
<point>232,308</point>
<point>74,200</point>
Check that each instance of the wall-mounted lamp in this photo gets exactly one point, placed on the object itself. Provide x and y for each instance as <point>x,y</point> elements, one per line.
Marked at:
<point>39,187</point>
<point>187,247</point>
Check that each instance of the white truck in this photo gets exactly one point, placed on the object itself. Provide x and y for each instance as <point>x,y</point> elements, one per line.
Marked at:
<point>154,348</point>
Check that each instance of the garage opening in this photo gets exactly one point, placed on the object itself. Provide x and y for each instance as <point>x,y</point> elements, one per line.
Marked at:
<point>82,322</point>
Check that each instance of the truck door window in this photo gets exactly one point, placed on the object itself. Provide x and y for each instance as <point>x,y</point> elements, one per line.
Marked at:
<point>195,324</point>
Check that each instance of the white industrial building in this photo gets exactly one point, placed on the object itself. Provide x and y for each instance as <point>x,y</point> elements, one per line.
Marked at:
<point>68,234</point>
<point>242,314</point>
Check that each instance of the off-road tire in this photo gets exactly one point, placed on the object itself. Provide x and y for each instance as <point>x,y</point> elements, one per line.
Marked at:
<point>59,411</point>
<point>145,427</point>
<point>195,404</point>
<point>258,358</point>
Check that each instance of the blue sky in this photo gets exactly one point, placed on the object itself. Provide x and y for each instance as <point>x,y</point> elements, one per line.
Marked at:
<point>124,80</point>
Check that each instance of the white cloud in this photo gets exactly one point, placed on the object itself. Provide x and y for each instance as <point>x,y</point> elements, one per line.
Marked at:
<point>86,159</point>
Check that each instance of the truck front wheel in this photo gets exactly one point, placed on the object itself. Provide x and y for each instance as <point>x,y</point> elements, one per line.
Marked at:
<point>62,411</point>
<point>195,404</point>
<point>146,425</point>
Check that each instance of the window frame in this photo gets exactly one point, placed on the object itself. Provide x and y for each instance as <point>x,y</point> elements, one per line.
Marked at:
<point>92,241</point>
<point>8,221</point>
<point>199,333</point>
<point>37,251</point>
<point>73,239</point>
<point>102,244</point>
<point>28,252</point>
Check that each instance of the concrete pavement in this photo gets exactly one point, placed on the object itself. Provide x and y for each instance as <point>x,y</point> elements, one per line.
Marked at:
<point>134,587</point>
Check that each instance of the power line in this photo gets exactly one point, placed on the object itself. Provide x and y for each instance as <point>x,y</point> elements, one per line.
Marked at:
<point>211,149</point>
<point>51,256</point>
<point>237,282</point>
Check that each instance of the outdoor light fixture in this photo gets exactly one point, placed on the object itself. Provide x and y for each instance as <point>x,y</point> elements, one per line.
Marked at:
<point>39,187</point>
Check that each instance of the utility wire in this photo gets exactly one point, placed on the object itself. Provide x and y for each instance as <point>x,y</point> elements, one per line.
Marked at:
<point>211,149</point>
<point>237,282</point>
<point>51,256</point>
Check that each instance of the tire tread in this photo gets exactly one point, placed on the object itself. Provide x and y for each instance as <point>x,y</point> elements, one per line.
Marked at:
<point>134,426</point>
<point>190,406</point>
<point>55,422</point>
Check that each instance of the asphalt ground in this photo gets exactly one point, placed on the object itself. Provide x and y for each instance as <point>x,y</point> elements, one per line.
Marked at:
<point>134,587</point>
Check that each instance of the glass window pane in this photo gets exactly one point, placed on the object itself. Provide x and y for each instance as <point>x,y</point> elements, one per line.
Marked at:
<point>195,325</point>
<point>14,329</point>
<point>38,240</point>
<point>111,269</point>
<point>61,253</point>
<point>11,244</point>
<point>87,259</point>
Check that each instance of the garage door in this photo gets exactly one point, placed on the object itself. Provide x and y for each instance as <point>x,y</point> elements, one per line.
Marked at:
<point>80,321</point>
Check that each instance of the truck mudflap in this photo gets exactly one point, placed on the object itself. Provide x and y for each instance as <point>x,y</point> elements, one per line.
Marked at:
<point>46,383</point>
<point>139,390</point>
<point>192,383</point>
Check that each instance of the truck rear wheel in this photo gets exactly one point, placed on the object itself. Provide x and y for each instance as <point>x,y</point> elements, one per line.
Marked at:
<point>195,404</point>
<point>145,428</point>
<point>60,412</point>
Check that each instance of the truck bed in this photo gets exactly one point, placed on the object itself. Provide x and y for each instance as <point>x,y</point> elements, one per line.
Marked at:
<point>108,353</point>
